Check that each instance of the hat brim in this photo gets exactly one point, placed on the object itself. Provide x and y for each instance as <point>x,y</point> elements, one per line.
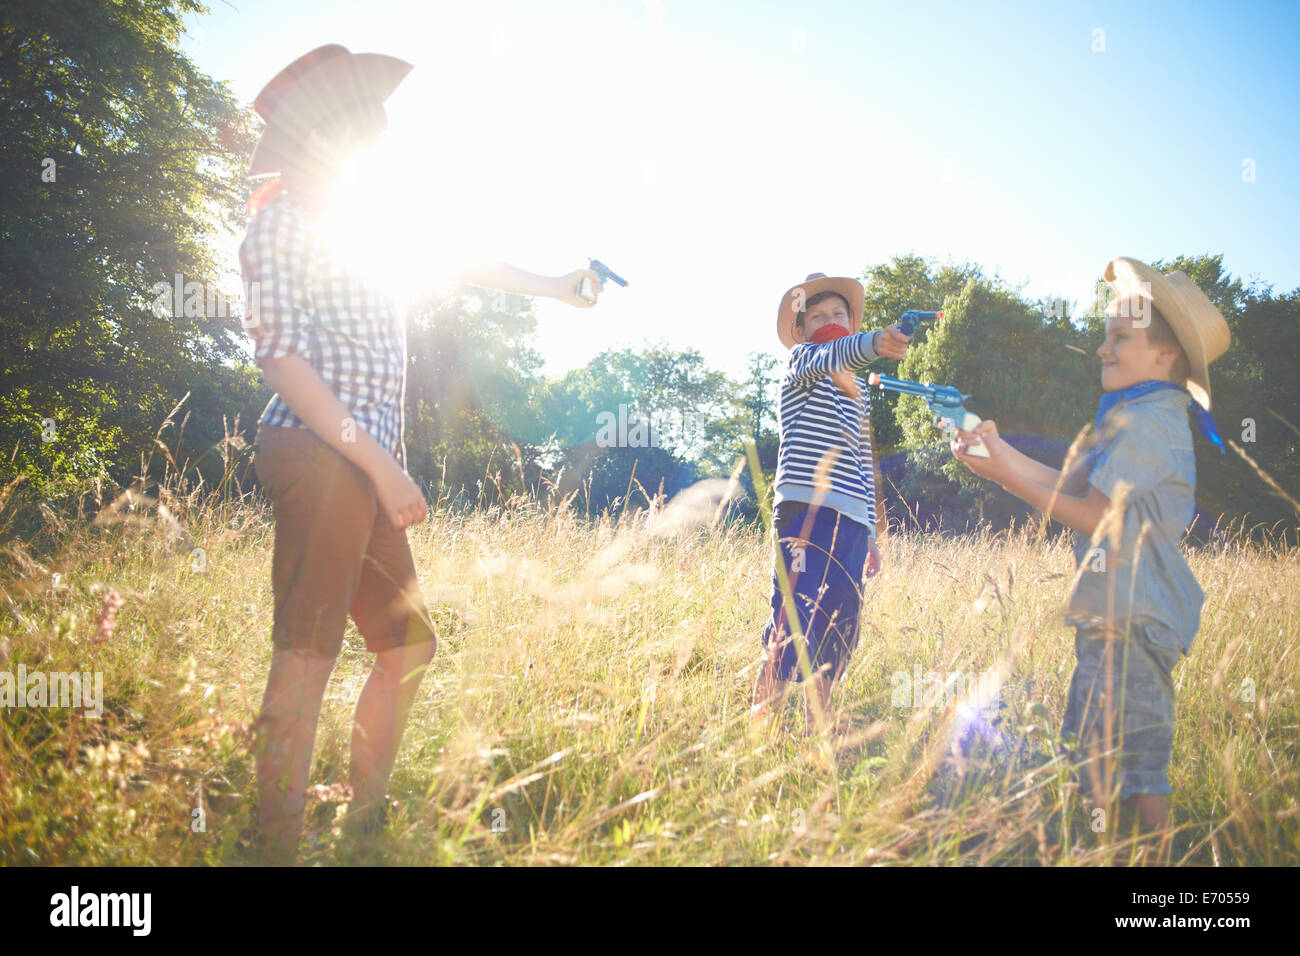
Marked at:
<point>1199,327</point>
<point>321,90</point>
<point>271,151</point>
<point>788,314</point>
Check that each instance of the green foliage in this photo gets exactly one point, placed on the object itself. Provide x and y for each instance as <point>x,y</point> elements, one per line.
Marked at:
<point>122,168</point>
<point>478,409</point>
<point>1254,381</point>
<point>1021,368</point>
<point>692,419</point>
<point>675,391</point>
<point>905,282</point>
<point>473,395</point>
<point>760,407</point>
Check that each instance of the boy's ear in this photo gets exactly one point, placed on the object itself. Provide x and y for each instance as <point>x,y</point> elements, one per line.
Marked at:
<point>799,334</point>
<point>1170,354</point>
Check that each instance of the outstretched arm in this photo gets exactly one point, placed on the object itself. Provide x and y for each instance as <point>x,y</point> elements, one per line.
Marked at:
<point>809,363</point>
<point>1028,468</point>
<point>846,354</point>
<point>1031,481</point>
<point>1081,514</point>
<point>508,278</point>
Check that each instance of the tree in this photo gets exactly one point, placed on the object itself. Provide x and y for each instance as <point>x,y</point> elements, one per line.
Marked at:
<point>662,412</point>
<point>681,402</point>
<point>1253,396</point>
<point>905,282</point>
<point>473,394</point>
<point>760,407</point>
<point>123,167</point>
<point>1022,368</point>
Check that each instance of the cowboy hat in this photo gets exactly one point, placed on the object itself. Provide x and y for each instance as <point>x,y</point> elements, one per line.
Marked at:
<point>311,89</point>
<point>794,302</point>
<point>1199,327</point>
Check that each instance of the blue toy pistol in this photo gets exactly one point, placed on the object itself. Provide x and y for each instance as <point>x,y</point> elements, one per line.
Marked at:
<point>947,403</point>
<point>606,275</point>
<point>912,320</point>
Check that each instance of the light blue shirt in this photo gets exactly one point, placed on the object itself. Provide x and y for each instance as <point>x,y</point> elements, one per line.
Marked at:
<point>1144,456</point>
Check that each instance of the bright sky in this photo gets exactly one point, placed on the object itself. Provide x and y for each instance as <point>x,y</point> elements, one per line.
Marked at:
<point>715,153</point>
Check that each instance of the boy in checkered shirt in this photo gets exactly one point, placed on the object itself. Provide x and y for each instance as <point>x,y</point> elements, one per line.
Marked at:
<point>329,449</point>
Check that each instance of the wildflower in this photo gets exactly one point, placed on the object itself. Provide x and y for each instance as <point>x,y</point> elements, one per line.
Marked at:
<point>108,617</point>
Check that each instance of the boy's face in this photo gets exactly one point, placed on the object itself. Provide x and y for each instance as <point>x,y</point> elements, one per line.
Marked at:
<point>1127,356</point>
<point>341,143</point>
<point>830,311</point>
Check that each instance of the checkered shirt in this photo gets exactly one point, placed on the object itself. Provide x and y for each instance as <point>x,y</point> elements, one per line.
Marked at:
<point>304,301</point>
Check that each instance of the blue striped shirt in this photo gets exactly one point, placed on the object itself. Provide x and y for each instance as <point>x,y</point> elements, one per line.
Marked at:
<point>825,453</point>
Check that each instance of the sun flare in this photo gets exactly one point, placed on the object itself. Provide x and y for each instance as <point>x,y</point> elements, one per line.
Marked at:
<point>398,228</point>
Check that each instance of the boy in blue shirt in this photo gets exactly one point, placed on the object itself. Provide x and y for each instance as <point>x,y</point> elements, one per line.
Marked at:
<point>824,510</point>
<point>1134,603</point>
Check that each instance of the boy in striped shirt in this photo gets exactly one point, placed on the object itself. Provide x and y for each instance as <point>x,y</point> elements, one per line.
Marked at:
<point>824,510</point>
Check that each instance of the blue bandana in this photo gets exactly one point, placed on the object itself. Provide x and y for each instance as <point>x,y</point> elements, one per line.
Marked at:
<point>1204,423</point>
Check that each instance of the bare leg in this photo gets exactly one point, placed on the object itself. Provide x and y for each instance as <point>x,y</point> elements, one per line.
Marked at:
<point>1153,808</point>
<point>817,700</point>
<point>290,712</point>
<point>1153,812</point>
<point>770,693</point>
<point>381,716</point>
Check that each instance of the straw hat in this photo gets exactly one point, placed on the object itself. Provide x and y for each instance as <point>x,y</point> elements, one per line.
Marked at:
<point>1196,323</point>
<point>313,88</point>
<point>788,313</point>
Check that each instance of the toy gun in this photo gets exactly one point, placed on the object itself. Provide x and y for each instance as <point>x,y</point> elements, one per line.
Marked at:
<point>606,275</point>
<point>912,320</point>
<point>605,272</point>
<point>945,401</point>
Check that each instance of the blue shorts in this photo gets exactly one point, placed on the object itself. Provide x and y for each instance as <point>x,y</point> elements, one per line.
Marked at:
<point>1124,706</point>
<point>824,554</point>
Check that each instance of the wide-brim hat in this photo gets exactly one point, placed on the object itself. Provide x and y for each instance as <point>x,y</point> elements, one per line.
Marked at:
<point>1199,327</point>
<point>795,301</point>
<point>311,89</point>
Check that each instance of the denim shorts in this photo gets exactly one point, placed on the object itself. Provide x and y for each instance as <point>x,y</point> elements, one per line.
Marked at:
<point>824,553</point>
<point>1121,702</point>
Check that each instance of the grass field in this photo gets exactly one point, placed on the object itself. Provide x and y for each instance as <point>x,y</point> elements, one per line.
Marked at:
<point>588,703</point>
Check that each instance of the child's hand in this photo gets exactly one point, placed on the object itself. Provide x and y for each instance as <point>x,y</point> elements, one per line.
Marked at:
<point>873,559</point>
<point>567,290</point>
<point>399,497</point>
<point>995,467</point>
<point>890,342</point>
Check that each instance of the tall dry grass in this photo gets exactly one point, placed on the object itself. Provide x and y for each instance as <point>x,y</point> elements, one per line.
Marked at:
<point>589,700</point>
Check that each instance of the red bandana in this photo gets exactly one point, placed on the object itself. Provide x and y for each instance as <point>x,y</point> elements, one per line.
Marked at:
<point>844,380</point>
<point>263,195</point>
<point>828,333</point>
